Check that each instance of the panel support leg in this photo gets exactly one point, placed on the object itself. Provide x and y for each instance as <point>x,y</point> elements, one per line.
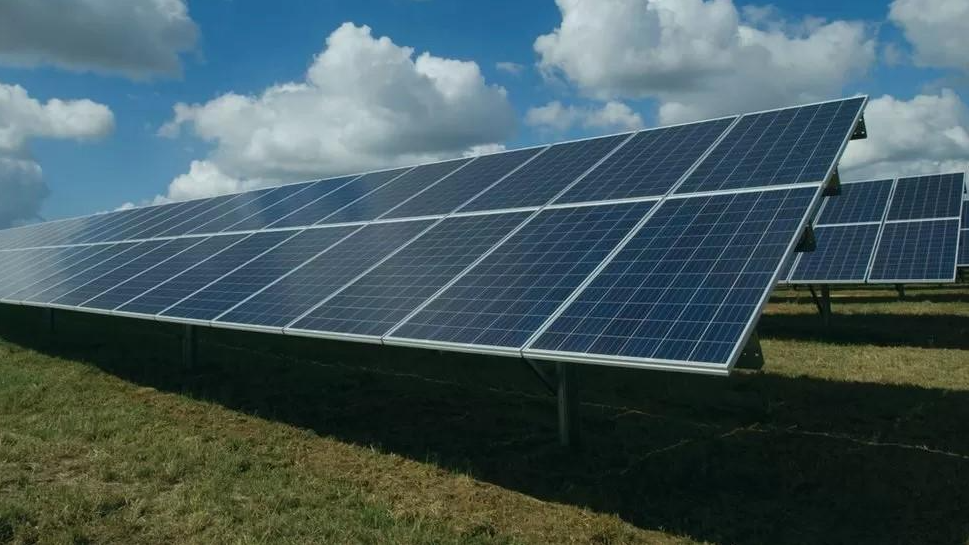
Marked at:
<point>49,320</point>
<point>189,346</point>
<point>826,305</point>
<point>901,290</point>
<point>568,404</point>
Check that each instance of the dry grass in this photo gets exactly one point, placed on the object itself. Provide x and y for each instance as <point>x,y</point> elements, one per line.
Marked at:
<point>858,434</point>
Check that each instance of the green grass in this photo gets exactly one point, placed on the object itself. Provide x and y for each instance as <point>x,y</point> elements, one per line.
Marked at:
<point>856,434</point>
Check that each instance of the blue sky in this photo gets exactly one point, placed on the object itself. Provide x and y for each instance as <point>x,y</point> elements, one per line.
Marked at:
<point>243,48</point>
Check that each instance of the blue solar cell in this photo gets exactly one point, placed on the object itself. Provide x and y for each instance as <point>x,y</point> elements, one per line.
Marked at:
<point>794,145</point>
<point>927,197</point>
<point>292,296</point>
<point>373,205</point>
<point>859,202</point>
<point>650,164</point>
<point>542,179</point>
<point>17,267</point>
<point>104,229</point>
<point>380,299</point>
<point>688,284</point>
<point>123,253</point>
<point>211,213</point>
<point>842,255</point>
<point>201,249</point>
<point>342,196</point>
<point>40,265</point>
<point>280,210</point>
<point>238,285</point>
<point>504,299</point>
<point>964,247</point>
<point>457,189</point>
<point>98,285</point>
<point>161,215</point>
<point>188,282</point>
<point>200,208</point>
<point>965,214</point>
<point>917,251</point>
<point>251,208</point>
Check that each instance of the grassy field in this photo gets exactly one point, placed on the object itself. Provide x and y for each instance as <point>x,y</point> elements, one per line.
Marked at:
<point>856,434</point>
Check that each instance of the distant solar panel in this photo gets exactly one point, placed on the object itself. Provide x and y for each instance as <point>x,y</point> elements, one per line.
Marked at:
<point>250,208</point>
<point>294,295</point>
<point>917,251</point>
<point>277,212</point>
<point>40,264</point>
<point>927,197</point>
<point>650,164</point>
<point>504,299</point>
<point>843,254</point>
<point>859,202</point>
<point>964,247</point>
<point>372,304</point>
<point>793,145</point>
<point>686,287</point>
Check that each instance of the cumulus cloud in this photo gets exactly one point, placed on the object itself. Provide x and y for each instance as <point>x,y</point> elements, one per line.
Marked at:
<point>364,103</point>
<point>927,134</point>
<point>23,118</point>
<point>557,117</point>
<point>512,68</point>
<point>136,38</point>
<point>937,29</point>
<point>701,58</point>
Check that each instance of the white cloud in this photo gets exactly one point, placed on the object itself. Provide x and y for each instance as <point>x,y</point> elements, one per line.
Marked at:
<point>937,29</point>
<point>927,134</point>
<point>365,103</point>
<point>22,119</point>
<point>701,58</point>
<point>512,68</point>
<point>136,38</point>
<point>612,115</point>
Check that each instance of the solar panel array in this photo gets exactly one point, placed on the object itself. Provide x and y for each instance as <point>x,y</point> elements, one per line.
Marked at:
<point>653,249</point>
<point>887,231</point>
<point>964,236</point>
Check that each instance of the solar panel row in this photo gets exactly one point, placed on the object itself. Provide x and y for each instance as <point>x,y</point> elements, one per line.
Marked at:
<point>608,250</point>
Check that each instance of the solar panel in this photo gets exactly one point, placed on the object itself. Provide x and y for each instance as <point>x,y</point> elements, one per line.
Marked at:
<point>213,213</point>
<point>859,202</point>
<point>277,212</point>
<point>163,214</point>
<point>843,254</point>
<point>40,264</point>
<point>789,146</point>
<point>686,287</point>
<point>153,277</point>
<point>375,302</point>
<point>103,230</point>
<point>539,181</point>
<point>650,164</point>
<point>250,208</point>
<point>204,273</point>
<point>927,197</point>
<point>98,285</point>
<point>964,247</point>
<point>225,293</point>
<point>505,298</point>
<point>917,251</point>
<point>452,192</point>
<point>292,296</point>
<point>194,208</point>
<point>342,196</point>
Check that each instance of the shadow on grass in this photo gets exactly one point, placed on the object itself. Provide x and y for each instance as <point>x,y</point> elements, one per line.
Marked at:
<point>751,459</point>
<point>923,330</point>
<point>873,295</point>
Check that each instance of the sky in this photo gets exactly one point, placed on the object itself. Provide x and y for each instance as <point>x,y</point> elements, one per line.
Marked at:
<point>112,103</point>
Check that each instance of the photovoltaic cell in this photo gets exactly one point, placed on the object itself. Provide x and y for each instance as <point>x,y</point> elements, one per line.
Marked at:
<point>455,190</point>
<point>292,296</point>
<point>373,205</point>
<point>42,264</point>
<point>330,203</point>
<point>917,251</point>
<point>203,248</point>
<point>163,214</point>
<point>376,302</point>
<point>282,209</point>
<point>859,202</point>
<point>113,223</point>
<point>161,251</point>
<point>212,213</point>
<point>504,299</point>
<point>794,145</point>
<point>650,164</point>
<point>964,247</point>
<point>687,285</point>
<point>181,286</point>
<point>118,256</point>
<point>202,207</point>
<point>536,183</point>
<point>247,209</point>
<point>927,197</point>
<point>842,254</point>
<point>230,290</point>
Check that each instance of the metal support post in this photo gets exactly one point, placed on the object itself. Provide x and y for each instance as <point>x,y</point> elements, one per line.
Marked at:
<point>826,305</point>
<point>49,320</point>
<point>189,346</point>
<point>568,404</point>
<point>901,290</point>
